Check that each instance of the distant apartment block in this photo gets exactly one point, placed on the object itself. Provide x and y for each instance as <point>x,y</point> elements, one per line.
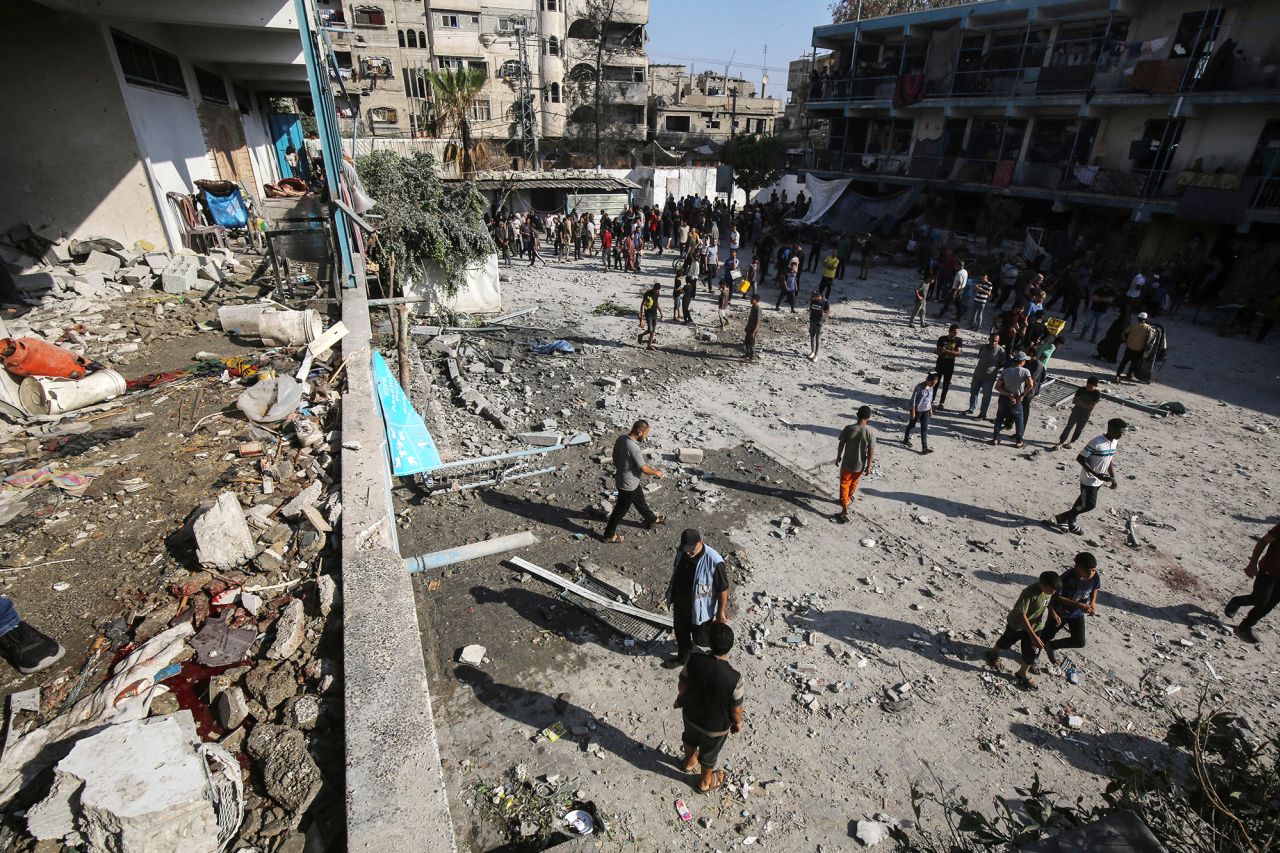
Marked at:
<point>1116,110</point>
<point>689,112</point>
<point>390,46</point>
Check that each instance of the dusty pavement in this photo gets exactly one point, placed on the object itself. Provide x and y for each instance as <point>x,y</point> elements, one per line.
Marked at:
<point>825,622</point>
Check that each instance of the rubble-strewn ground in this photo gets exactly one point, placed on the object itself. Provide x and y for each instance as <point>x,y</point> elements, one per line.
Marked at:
<point>825,624</point>
<point>129,564</point>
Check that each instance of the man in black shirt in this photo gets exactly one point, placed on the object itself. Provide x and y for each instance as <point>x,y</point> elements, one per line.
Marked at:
<point>948,349</point>
<point>711,697</point>
<point>819,308</point>
<point>753,328</point>
<point>698,595</point>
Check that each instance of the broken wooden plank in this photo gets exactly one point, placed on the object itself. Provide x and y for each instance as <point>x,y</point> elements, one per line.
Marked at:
<point>564,583</point>
<point>317,520</point>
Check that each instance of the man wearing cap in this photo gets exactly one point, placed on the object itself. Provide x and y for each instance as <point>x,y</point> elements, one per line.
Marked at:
<point>698,595</point>
<point>710,696</point>
<point>1097,467</point>
<point>855,454</point>
<point>1013,384</point>
<point>1077,597</point>
<point>1136,338</point>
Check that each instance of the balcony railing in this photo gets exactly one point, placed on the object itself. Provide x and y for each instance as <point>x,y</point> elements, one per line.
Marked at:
<point>1267,195</point>
<point>1100,65</point>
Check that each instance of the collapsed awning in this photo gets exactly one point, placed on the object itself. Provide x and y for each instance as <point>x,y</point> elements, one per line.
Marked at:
<point>837,207</point>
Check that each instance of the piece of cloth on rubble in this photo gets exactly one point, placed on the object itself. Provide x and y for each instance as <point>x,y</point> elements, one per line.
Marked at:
<point>73,481</point>
<point>552,347</point>
<point>125,696</point>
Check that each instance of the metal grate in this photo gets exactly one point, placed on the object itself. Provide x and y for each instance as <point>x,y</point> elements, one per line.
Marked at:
<point>1057,392</point>
<point>625,624</point>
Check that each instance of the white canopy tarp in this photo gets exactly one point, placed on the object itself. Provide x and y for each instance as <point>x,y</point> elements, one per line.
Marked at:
<point>823,194</point>
<point>480,293</point>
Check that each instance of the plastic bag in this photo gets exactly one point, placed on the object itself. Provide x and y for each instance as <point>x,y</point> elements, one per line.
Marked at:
<point>270,400</point>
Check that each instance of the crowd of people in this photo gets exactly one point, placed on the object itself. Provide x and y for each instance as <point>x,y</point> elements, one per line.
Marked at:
<point>1010,300</point>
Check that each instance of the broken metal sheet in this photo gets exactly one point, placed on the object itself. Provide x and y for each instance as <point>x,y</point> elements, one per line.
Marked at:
<point>661,619</point>
<point>625,624</point>
<point>410,445</point>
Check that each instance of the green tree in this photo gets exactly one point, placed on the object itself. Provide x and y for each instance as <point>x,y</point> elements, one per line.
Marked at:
<point>997,217</point>
<point>756,161</point>
<point>848,10</point>
<point>424,219</point>
<point>455,91</point>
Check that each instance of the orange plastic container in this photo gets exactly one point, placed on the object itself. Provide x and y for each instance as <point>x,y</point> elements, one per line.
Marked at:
<point>34,357</point>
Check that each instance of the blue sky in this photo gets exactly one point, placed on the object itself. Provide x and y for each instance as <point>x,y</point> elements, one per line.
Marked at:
<point>708,32</point>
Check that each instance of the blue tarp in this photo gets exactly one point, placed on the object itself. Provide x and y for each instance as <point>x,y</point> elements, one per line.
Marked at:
<point>410,446</point>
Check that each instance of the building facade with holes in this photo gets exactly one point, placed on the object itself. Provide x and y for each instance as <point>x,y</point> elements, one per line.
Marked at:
<point>535,55</point>
<point>698,114</point>
<point>122,103</point>
<point>1151,123</point>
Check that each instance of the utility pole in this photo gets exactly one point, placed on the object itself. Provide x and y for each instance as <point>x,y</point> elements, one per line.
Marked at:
<point>733,113</point>
<point>524,102</point>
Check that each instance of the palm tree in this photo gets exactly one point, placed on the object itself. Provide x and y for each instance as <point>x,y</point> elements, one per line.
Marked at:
<point>456,90</point>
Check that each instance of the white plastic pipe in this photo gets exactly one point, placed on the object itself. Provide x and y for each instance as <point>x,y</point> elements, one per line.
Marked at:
<point>474,551</point>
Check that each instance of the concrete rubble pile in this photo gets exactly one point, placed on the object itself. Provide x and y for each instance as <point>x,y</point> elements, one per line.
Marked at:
<point>245,610</point>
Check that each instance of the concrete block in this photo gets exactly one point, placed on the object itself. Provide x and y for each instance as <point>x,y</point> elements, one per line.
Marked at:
<point>138,276</point>
<point>307,497</point>
<point>504,365</point>
<point>34,283</point>
<point>289,774</point>
<point>210,271</point>
<point>290,628</point>
<point>127,256</point>
<point>102,262</point>
<point>327,588</point>
<point>157,261</point>
<point>445,343</point>
<point>180,275</point>
<point>230,708</point>
<point>691,455</point>
<point>134,787</point>
<point>223,538</point>
<point>540,439</point>
<point>473,654</point>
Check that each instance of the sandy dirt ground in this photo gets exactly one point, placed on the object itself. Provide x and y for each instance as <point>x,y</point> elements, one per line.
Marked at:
<point>826,623</point>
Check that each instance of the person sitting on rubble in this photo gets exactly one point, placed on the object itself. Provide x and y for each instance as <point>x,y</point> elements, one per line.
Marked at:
<point>711,697</point>
<point>698,595</point>
<point>22,646</point>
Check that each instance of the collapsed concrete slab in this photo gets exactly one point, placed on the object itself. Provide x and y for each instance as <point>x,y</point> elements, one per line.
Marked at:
<point>135,787</point>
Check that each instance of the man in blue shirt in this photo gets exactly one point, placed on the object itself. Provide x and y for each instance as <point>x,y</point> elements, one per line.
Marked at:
<point>1077,598</point>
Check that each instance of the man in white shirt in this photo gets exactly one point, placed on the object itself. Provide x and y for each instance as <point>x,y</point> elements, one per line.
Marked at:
<point>1097,467</point>
<point>1136,285</point>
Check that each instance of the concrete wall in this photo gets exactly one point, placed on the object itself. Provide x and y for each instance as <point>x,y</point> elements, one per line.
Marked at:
<point>167,130</point>
<point>68,156</point>
<point>1225,136</point>
<point>1119,128</point>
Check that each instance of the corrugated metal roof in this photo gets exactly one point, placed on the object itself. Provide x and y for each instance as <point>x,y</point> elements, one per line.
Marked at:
<point>561,179</point>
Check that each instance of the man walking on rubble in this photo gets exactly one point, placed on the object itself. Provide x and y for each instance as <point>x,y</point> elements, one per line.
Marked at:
<point>698,595</point>
<point>710,696</point>
<point>1264,568</point>
<point>629,464</point>
<point>1097,468</point>
<point>855,454</point>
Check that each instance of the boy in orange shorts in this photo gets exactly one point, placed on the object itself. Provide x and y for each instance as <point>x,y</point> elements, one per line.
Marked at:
<point>855,455</point>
